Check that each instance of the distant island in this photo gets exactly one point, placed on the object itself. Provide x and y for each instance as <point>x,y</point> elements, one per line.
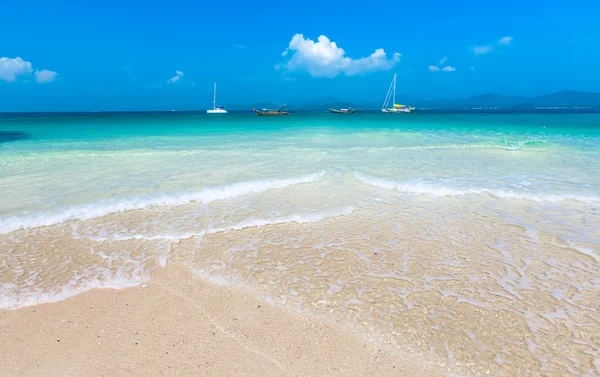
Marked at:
<point>565,99</point>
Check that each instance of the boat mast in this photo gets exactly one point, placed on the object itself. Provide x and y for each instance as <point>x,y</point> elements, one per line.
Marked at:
<point>215,97</point>
<point>394,103</point>
<point>388,95</point>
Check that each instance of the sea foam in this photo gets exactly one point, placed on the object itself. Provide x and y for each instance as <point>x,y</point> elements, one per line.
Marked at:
<point>115,205</point>
<point>441,190</point>
<point>301,218</point>
<point>12,297</point>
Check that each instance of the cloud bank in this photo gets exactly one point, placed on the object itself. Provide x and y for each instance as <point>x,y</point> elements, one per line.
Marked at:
<point>324,58</point>
<point>13,68</point>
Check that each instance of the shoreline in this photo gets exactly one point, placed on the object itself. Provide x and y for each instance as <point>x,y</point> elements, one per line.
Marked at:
<point>178,324</point>
<point>463,245</point>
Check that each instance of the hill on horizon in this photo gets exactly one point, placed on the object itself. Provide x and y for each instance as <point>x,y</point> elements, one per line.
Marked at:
<point>565,98</point>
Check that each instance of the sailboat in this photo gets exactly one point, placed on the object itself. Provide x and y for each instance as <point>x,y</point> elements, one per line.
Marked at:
<point>391,95</point>
<point>216,109</point>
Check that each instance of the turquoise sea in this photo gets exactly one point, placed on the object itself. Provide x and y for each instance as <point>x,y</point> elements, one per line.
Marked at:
<point>469,241</point>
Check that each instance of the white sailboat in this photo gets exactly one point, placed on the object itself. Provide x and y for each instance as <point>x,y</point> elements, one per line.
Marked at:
<point>216,109</point>
<point>391,95</point>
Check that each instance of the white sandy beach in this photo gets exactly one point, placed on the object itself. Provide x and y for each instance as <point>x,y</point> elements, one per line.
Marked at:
<point>179,325</point>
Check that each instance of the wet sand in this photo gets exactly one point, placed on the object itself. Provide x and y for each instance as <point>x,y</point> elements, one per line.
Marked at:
<point>180,325</point>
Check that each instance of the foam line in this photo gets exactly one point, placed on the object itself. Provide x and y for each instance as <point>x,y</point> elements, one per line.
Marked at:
<point>107,206</point>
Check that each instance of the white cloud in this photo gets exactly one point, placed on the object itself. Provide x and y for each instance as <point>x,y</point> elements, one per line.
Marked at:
<point>10,69</point>
<point>437,68</point>
<point>480,50</point>
<point>485,49</point>
<point>241,47</point>
<point>45,76</point>
<point>325,59</point>
<point>176,78</point>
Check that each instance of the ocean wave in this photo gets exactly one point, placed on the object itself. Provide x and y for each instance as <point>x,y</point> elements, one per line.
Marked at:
<point>512,144</point>
<point>73,288</point>
<point>295,218</point>
<point>107,206</point>
<point>440,190</point>
<point>248,223</point>
<point>506,145</point>
<point>11,297</point>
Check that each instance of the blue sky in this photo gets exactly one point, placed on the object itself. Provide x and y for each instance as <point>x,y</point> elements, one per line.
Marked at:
<point>117,55</point>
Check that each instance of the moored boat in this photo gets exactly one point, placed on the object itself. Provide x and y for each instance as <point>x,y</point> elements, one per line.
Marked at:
<point>343,111</point>
<point>281,111</point>
<point>216,109</point>
<point>391,95</point>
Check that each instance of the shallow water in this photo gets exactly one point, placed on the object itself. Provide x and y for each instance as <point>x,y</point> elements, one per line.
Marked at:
<point>470,242</point>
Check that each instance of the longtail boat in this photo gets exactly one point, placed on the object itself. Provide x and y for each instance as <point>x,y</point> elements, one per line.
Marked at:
<point>343,111</point>
<point>281,111</point>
